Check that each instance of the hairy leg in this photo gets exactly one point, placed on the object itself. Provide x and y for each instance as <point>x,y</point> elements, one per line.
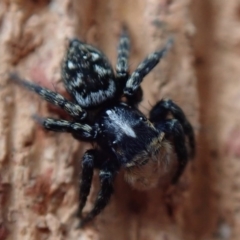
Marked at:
<point>122,68</point>
<point>160,112</point>
<point>136,98</point>
<point>144,68</point>
<point>52,97</point>
<point>91,159</point>
<point>122,71</point>
<point>174,131</point>
<point>78,130</point>
<point>106,175</point>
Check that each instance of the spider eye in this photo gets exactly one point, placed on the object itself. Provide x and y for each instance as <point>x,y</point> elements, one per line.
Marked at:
<point>113,144</point>
<point>116,148</point>
<point>143,119</point>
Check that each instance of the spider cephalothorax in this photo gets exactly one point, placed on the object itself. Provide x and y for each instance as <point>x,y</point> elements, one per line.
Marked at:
<point>123,136</point>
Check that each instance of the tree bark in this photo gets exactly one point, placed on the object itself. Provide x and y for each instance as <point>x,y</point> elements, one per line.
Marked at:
<point>40,170</point>
<point>216,194</point>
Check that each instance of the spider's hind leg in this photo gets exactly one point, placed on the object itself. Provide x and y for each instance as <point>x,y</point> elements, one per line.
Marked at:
<point>122,68</point>
<point>136,98</point>
<point>144,68</point>
<point>52,97</point>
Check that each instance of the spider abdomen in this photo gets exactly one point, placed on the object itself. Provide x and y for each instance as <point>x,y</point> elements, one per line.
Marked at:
<point>88,76</point>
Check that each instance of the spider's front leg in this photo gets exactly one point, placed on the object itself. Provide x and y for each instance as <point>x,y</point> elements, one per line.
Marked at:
<point>107,174</point>
<point>160,112</point>
<point>91,159</point>
<point>175,130</point>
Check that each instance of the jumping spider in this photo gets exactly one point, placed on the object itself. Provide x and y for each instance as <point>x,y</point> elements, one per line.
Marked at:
<point>104,112</point>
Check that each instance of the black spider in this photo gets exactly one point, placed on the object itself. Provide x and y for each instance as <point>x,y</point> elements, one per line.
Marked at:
<point>123,136</point>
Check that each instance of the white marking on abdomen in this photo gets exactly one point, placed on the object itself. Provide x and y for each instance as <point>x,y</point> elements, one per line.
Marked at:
<point>126,128</point>
<point>71,65</point>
